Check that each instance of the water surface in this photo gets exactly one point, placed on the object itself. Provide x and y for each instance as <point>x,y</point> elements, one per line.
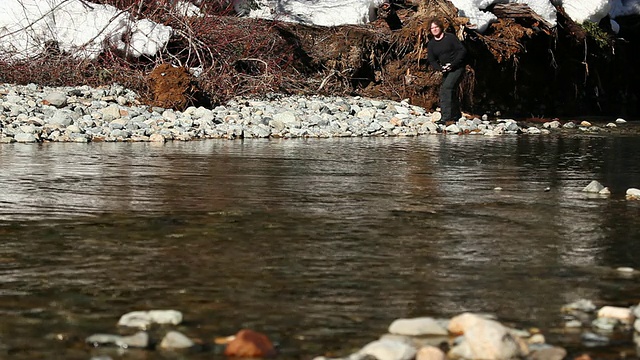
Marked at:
<point>318,243</point>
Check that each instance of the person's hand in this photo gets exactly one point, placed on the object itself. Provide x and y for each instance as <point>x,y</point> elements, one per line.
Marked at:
<point>446,67</point>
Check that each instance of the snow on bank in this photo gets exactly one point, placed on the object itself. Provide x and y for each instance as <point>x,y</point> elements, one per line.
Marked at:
<point>323,13</point>
<point>84,29</point>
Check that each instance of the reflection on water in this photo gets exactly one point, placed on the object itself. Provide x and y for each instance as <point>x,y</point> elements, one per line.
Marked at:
<point>318,243</point>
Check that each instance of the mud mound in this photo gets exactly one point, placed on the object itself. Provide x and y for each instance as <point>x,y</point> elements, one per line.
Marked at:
<point>172,87</point>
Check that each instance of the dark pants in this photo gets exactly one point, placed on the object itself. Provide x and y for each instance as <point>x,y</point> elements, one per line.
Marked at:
<point>449,104</point>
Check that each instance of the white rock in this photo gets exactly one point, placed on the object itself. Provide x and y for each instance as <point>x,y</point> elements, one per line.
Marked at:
<point>143,319</point>
<point>25,138</point>
<point>619,313</point>
<point>389,350</point>
<point>593,187</point>
<point>625,269</point>
<point>175,340</point>
<point>620,121</point>
<point>633,194</point>
<point>484,339</point>
<point>417,326</point>
<point>605,191</point>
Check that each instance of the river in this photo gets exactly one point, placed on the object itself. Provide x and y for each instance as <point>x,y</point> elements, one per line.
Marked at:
<point>319,243</point>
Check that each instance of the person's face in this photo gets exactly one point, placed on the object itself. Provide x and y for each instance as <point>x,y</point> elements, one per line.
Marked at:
<point>435,30</point>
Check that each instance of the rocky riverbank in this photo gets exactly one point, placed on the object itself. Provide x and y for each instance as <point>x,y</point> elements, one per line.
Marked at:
<point>33,114</point>
<point>465,336</point>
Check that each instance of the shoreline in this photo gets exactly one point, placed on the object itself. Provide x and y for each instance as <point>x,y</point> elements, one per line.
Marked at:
<point>36,114</point>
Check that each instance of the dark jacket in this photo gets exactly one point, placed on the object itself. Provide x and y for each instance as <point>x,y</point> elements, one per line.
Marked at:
<point>446,50</point>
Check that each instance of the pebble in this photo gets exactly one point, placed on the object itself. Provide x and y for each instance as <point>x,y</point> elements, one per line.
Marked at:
<point>35,114</point>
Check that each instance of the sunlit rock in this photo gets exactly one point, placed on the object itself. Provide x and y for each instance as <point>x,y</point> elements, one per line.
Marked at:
<point>25,138</point>
<point>430,353</point>
<point>251,344</point>
<point>633,194</point>
<point>389,350</point>
<point>555,124</point>
<point>143,319</point>
<point>56,99</point>
<point>417,326</point>
<point>621,121</point>
<point>137,340</point>
<point>175,340</point>
<point>619,313</point>
<point>453,129</point>
<point>593,187</point>
<point>484,339</point>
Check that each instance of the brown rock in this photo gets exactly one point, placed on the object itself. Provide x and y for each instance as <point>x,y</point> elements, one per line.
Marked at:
<point>583,357</point>
<point>249,343</point>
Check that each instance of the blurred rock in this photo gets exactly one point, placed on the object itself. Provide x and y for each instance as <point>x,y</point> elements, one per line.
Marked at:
<point>249,343</point>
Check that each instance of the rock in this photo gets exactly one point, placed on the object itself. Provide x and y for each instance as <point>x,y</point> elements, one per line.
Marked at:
<point>250,344</point>
<point>593,339</point>
<point>175,340</point>
<point>551,124</point>
<point>143,319</point>
<point>484,339</point>
<point>633,194</point>
<point>430,353</point>
<point>605,191</point>
<point>56,99</point>
<point>580,305</point>
<point>157,138</point>
<point>137,340</point>
<point>111,112</point>
<point>453,129</point>
<point>417,326</point>
<point>25,138</point>
<point>585,124</point>
<point>636,325</point>
<point>621,121</point>
<point>551,353</point>
<point>389,350</point>
<point>619,313</point>
<point>593,187</point>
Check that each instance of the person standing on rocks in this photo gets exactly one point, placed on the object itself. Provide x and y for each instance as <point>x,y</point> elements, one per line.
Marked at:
<point>446,53</point>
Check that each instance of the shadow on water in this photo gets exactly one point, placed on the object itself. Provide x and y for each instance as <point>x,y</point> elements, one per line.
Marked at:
<point>318,243</point>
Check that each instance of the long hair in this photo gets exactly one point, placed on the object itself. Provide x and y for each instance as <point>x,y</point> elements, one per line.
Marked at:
<point>438,23</point>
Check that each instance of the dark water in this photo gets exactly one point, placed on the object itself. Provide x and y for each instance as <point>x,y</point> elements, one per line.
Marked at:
<point>318,243</point>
